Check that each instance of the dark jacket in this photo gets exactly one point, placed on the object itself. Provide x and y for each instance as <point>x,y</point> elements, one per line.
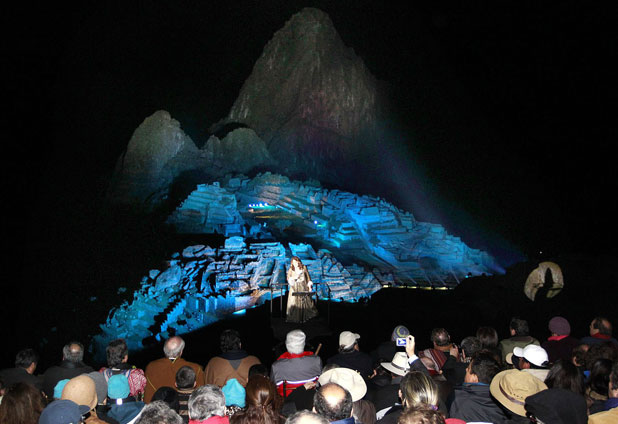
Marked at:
<point>125,412</point>
<point>11,376</point>
<point>356,360</point>
<point>388,395</point>
<point>473,402</point>
<point>454,371</point>
<point>560,349</point>
<point>66,369</point>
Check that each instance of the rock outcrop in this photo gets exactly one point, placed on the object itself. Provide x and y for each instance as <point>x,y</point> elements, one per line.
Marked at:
<point>310,98</point>
<point>158,151</point>
<point>240,151</point>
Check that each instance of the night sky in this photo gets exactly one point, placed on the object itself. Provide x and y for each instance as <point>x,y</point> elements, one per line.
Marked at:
<point>506,107</point>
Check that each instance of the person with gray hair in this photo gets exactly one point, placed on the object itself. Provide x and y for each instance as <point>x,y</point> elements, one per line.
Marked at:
<point>162,372</point>
<point>158,412</point>
<point>306,417</point>
<point>71,366</point>
<point>296,366</point>
<point>207,406</point>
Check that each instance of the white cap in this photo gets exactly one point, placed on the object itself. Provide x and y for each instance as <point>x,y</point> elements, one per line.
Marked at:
<point>295,341</point>
<point>532,353</point>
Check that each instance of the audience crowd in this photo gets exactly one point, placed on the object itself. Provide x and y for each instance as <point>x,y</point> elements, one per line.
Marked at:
<point>552,378</point>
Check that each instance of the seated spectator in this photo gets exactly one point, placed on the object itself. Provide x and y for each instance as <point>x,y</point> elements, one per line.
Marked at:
<point>434,358</point>
<point>334,403</point>
<point>565,375</point>
<point>60,387</point>
<point>82,391</point>
<point>258,369</point>
<point>302,397</point>
<point>511,388</point>
<point>162,372</point>
<point>232,363</point>
<point>207,406</point>
<point>71,366</point>
<point>488,336</point>
<point>234,394</point>
<point>117,353</point>
<point>62,412</point>
<point>306,417</point>
<point>600,331</point>
<point>416,390</point>
<point>260,403</point>
<point>609,411</point>
<point>123,407</point>
<point>578,357</point>
<point>473,401</point>
<point>597,388</point>
<point>364,411</point>
<point>296,366</point>
<point>2,389</point>
<point>26,362</point>
<point>386,350</point>
<point>158,412</point>
<point>423,415</point>
<point>532,359</point>
<point>170,396</point>
<point>560,344</point>
<point>520,337</point>
<point>454,369</point>
<point>388,395</point>
<point>185,385</point>
<point>22,404</point>
<point>350,356</point>
<point>100,386</point>
<point>557,406</point>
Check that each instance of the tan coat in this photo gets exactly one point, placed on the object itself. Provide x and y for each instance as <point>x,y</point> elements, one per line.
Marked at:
<point>162,372</point>
<point>219,370</point>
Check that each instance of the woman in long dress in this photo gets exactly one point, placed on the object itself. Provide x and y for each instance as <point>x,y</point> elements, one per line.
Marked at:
<point>300,308</point>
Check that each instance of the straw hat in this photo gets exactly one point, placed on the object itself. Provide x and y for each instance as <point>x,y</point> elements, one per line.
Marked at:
<point>399,365</point>
<point>512,387</point>
<point>346,378</point>
<point>81,390</point>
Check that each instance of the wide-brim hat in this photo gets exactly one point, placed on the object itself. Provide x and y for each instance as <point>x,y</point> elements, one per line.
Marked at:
<point>82,391</point>
<point>512,387</point>
<point>399,365</point>
<point>346,378</point>
<point>347,339</point>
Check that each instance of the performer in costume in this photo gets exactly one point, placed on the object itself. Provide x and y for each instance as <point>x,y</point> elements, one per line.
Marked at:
<point>300,308</point>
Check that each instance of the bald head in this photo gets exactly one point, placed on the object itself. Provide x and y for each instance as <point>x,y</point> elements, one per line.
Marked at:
<point>333,402</point>
<point>173,347</point>
<point>73,351</point>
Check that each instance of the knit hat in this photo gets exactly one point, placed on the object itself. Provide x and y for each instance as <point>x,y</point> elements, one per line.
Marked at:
<point>295,341</point>
<point>234,393</point>
<point>118,387</point>
<point>400,331</point>
<point>558,406</point>
<point>532,353</point>
<point>62,412</point>
<point>59,387</point>
<point>347,339</point>
<point>559,326</point>
<point>512,387</point>
<point>81,390</point>
<point>346,378</point>
<point>399,365</point>
<point>100,385</point>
